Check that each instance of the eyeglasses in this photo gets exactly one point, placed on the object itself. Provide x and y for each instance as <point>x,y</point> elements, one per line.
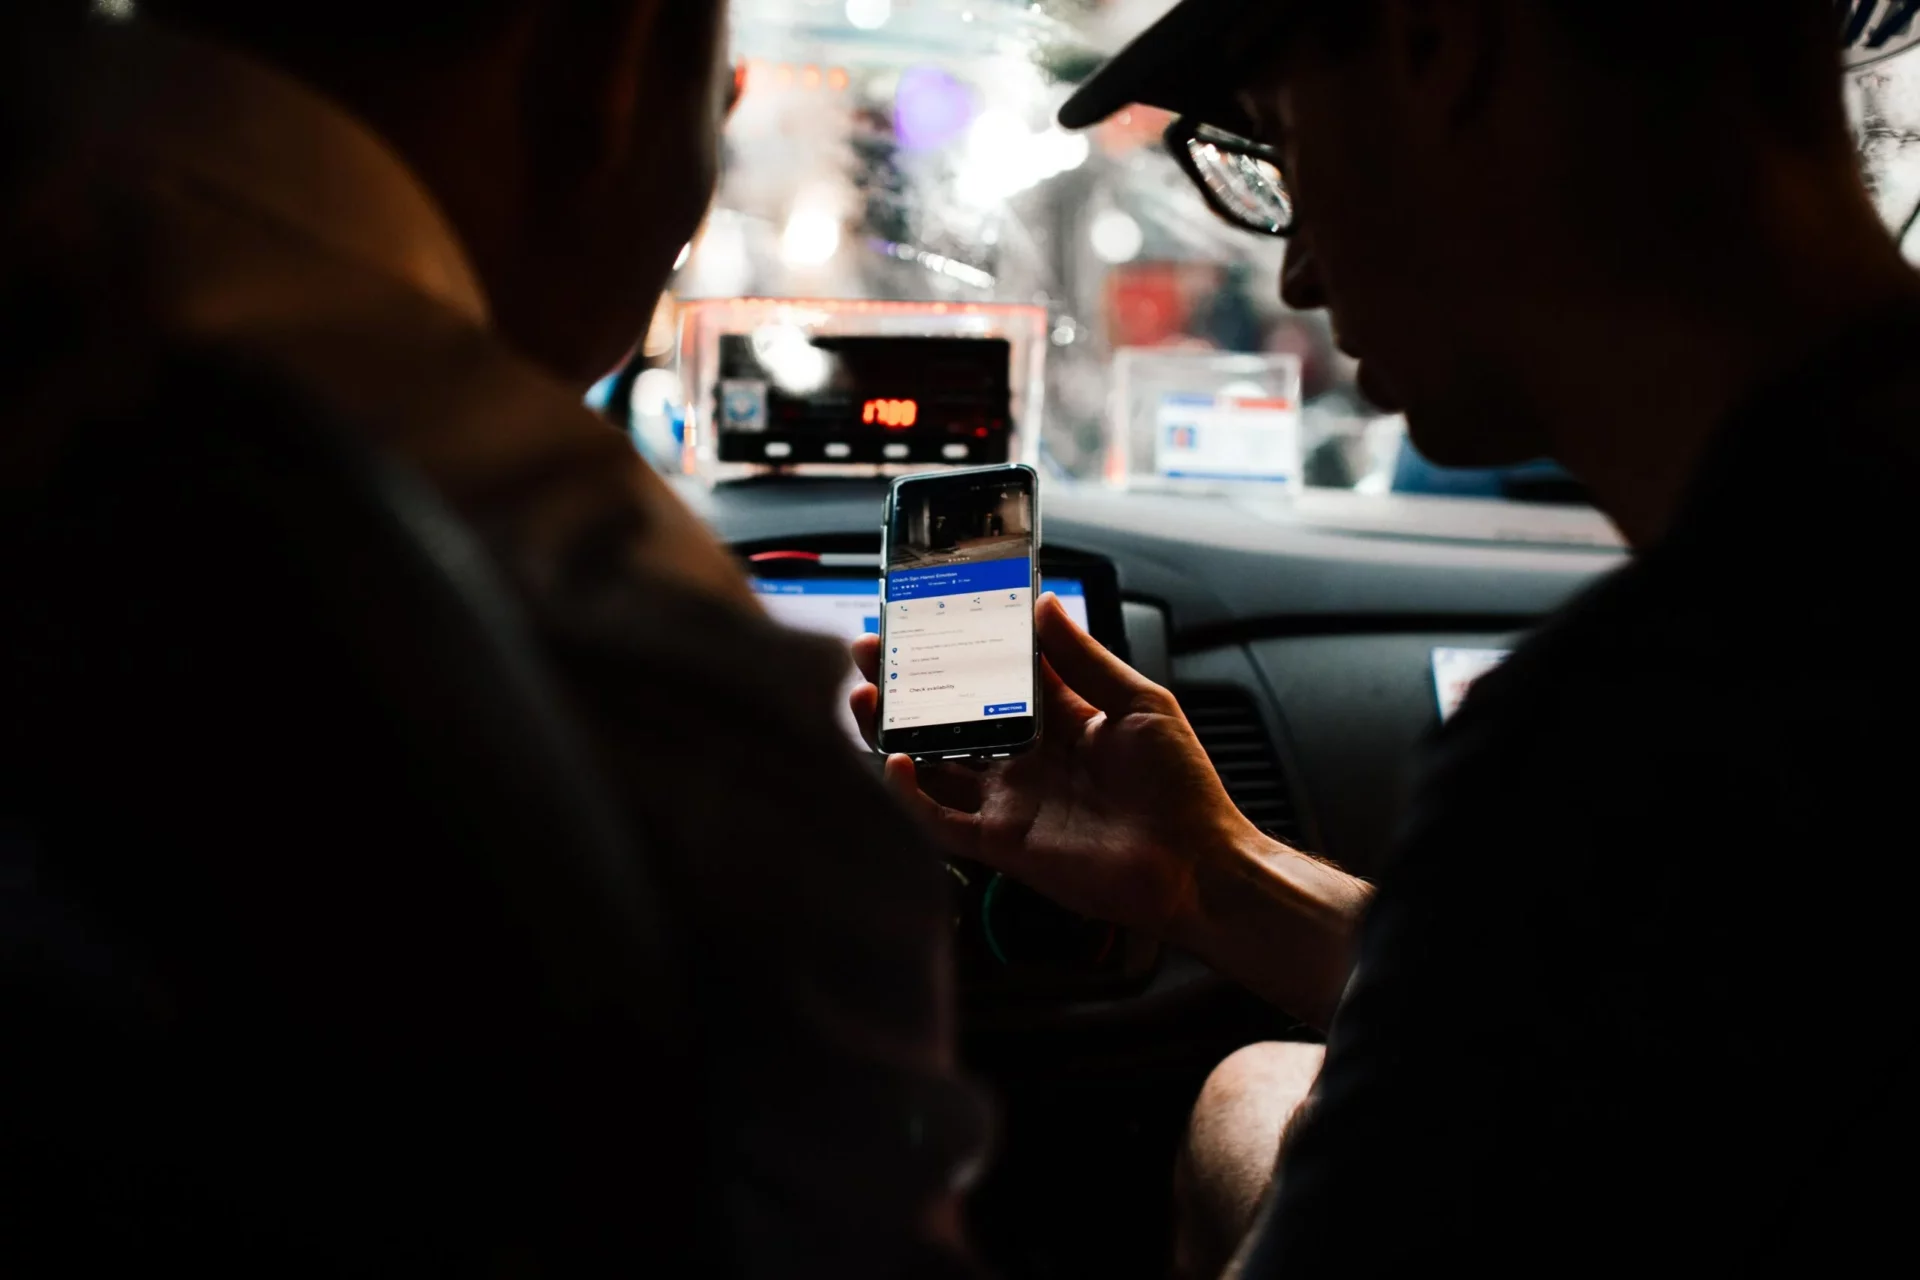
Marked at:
<point>1241,179</point>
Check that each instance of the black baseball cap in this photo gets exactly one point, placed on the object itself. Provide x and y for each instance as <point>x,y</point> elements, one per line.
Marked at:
<point>1184,63</point>
<point>1177,64</point>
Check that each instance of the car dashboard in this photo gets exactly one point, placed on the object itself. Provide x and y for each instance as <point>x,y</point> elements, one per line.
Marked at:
<point>1303,656</point>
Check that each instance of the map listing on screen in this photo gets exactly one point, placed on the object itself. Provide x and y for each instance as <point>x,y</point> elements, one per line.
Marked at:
<point>959,643</point>
<point>847,608</point>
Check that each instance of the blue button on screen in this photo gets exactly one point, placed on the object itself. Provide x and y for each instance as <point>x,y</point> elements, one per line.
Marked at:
<point>1006,709</point>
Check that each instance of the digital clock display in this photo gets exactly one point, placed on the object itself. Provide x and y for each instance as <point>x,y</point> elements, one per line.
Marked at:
<point>786,398</point>
<point>895,415</point>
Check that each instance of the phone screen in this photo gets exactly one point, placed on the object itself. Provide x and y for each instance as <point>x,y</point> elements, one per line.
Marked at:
<point>957,659</point>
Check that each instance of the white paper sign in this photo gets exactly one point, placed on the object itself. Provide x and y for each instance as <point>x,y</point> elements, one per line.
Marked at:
<point>1455,670</point>
<point>1206,437</point>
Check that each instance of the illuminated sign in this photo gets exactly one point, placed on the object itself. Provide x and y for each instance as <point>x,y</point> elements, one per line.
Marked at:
<point>895,415</point>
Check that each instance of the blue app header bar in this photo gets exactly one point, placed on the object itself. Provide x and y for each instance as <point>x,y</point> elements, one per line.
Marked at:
<point>866,587</point>
<point>959,579</point>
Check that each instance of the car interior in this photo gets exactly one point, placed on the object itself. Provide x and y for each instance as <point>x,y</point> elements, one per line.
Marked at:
<point>893,168</point>
<point>908,266</point>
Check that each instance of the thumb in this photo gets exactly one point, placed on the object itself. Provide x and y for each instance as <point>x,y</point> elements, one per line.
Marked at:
<point>1085,665</point>
<point>960,829</point>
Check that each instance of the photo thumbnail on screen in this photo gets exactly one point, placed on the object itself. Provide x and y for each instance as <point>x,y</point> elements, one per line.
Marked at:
<point>939,525</point>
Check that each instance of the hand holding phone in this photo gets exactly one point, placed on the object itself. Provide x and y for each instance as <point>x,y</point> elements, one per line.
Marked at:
<point>1112,815</point>
<point>959,663</point>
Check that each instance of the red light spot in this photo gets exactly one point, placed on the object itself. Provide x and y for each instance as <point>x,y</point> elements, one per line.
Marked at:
<point>981,432</point>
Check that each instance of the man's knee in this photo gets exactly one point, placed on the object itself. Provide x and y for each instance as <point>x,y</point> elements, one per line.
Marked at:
<point>1233,1139</point>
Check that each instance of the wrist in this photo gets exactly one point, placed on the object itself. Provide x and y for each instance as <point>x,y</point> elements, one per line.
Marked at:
<point>1224,868</point>
<point>1280,921</point>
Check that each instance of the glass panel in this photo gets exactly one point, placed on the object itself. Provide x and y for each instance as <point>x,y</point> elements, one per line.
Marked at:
<point>1251,188</point>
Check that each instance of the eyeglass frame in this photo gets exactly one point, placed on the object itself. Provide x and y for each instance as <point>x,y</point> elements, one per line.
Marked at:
<point>1185,130</point>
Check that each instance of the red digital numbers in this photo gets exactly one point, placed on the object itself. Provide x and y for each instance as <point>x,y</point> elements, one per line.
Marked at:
<point>894,415</point>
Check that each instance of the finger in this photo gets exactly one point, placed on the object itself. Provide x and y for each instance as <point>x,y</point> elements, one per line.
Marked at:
<point>904,781</point>
<point>1086,666</point>
<point>953,786</point>
<point>959,830</point>
<point>866,656</point>
<point>865,704</point>
<point>1065,708</point>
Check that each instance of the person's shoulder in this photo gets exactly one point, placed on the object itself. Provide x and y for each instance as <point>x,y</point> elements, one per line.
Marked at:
<point>1583,732</point>
<point>613,565</point>
<point>1604,652</point>
<point>556,489</point>
<point>1686,698</point>
<point>137,255</point>
<point>589,537</point>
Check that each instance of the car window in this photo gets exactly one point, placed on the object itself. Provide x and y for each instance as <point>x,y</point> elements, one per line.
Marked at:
<point>905,150</point>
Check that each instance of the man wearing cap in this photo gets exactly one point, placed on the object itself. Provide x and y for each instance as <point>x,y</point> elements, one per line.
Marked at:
<point>1633,992</point>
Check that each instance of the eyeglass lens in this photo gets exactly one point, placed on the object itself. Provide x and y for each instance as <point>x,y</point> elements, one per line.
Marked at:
<point>1249,188</point>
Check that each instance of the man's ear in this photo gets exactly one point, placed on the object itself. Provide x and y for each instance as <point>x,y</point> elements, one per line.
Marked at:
<point>1449,52</point>
<point>585,85</point>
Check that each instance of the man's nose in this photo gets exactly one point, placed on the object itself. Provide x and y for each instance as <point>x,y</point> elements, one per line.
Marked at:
<point>1300,286</point>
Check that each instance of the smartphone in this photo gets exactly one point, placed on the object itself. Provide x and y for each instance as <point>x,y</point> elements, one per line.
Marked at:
<point>959,660</point>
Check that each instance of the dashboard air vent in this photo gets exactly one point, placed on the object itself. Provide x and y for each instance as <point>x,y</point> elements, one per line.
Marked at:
<point>1230,727</point>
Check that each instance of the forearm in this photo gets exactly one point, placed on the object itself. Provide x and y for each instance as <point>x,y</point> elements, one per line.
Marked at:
<point>1279,922</point>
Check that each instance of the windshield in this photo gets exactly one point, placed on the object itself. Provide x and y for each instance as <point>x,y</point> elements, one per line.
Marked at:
<point>905,150</point>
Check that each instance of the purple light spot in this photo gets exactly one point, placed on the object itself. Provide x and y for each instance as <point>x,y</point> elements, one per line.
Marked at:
<point>930,109</point>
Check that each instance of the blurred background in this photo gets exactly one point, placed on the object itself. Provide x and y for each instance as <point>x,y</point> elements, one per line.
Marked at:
<point>905,150</point>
